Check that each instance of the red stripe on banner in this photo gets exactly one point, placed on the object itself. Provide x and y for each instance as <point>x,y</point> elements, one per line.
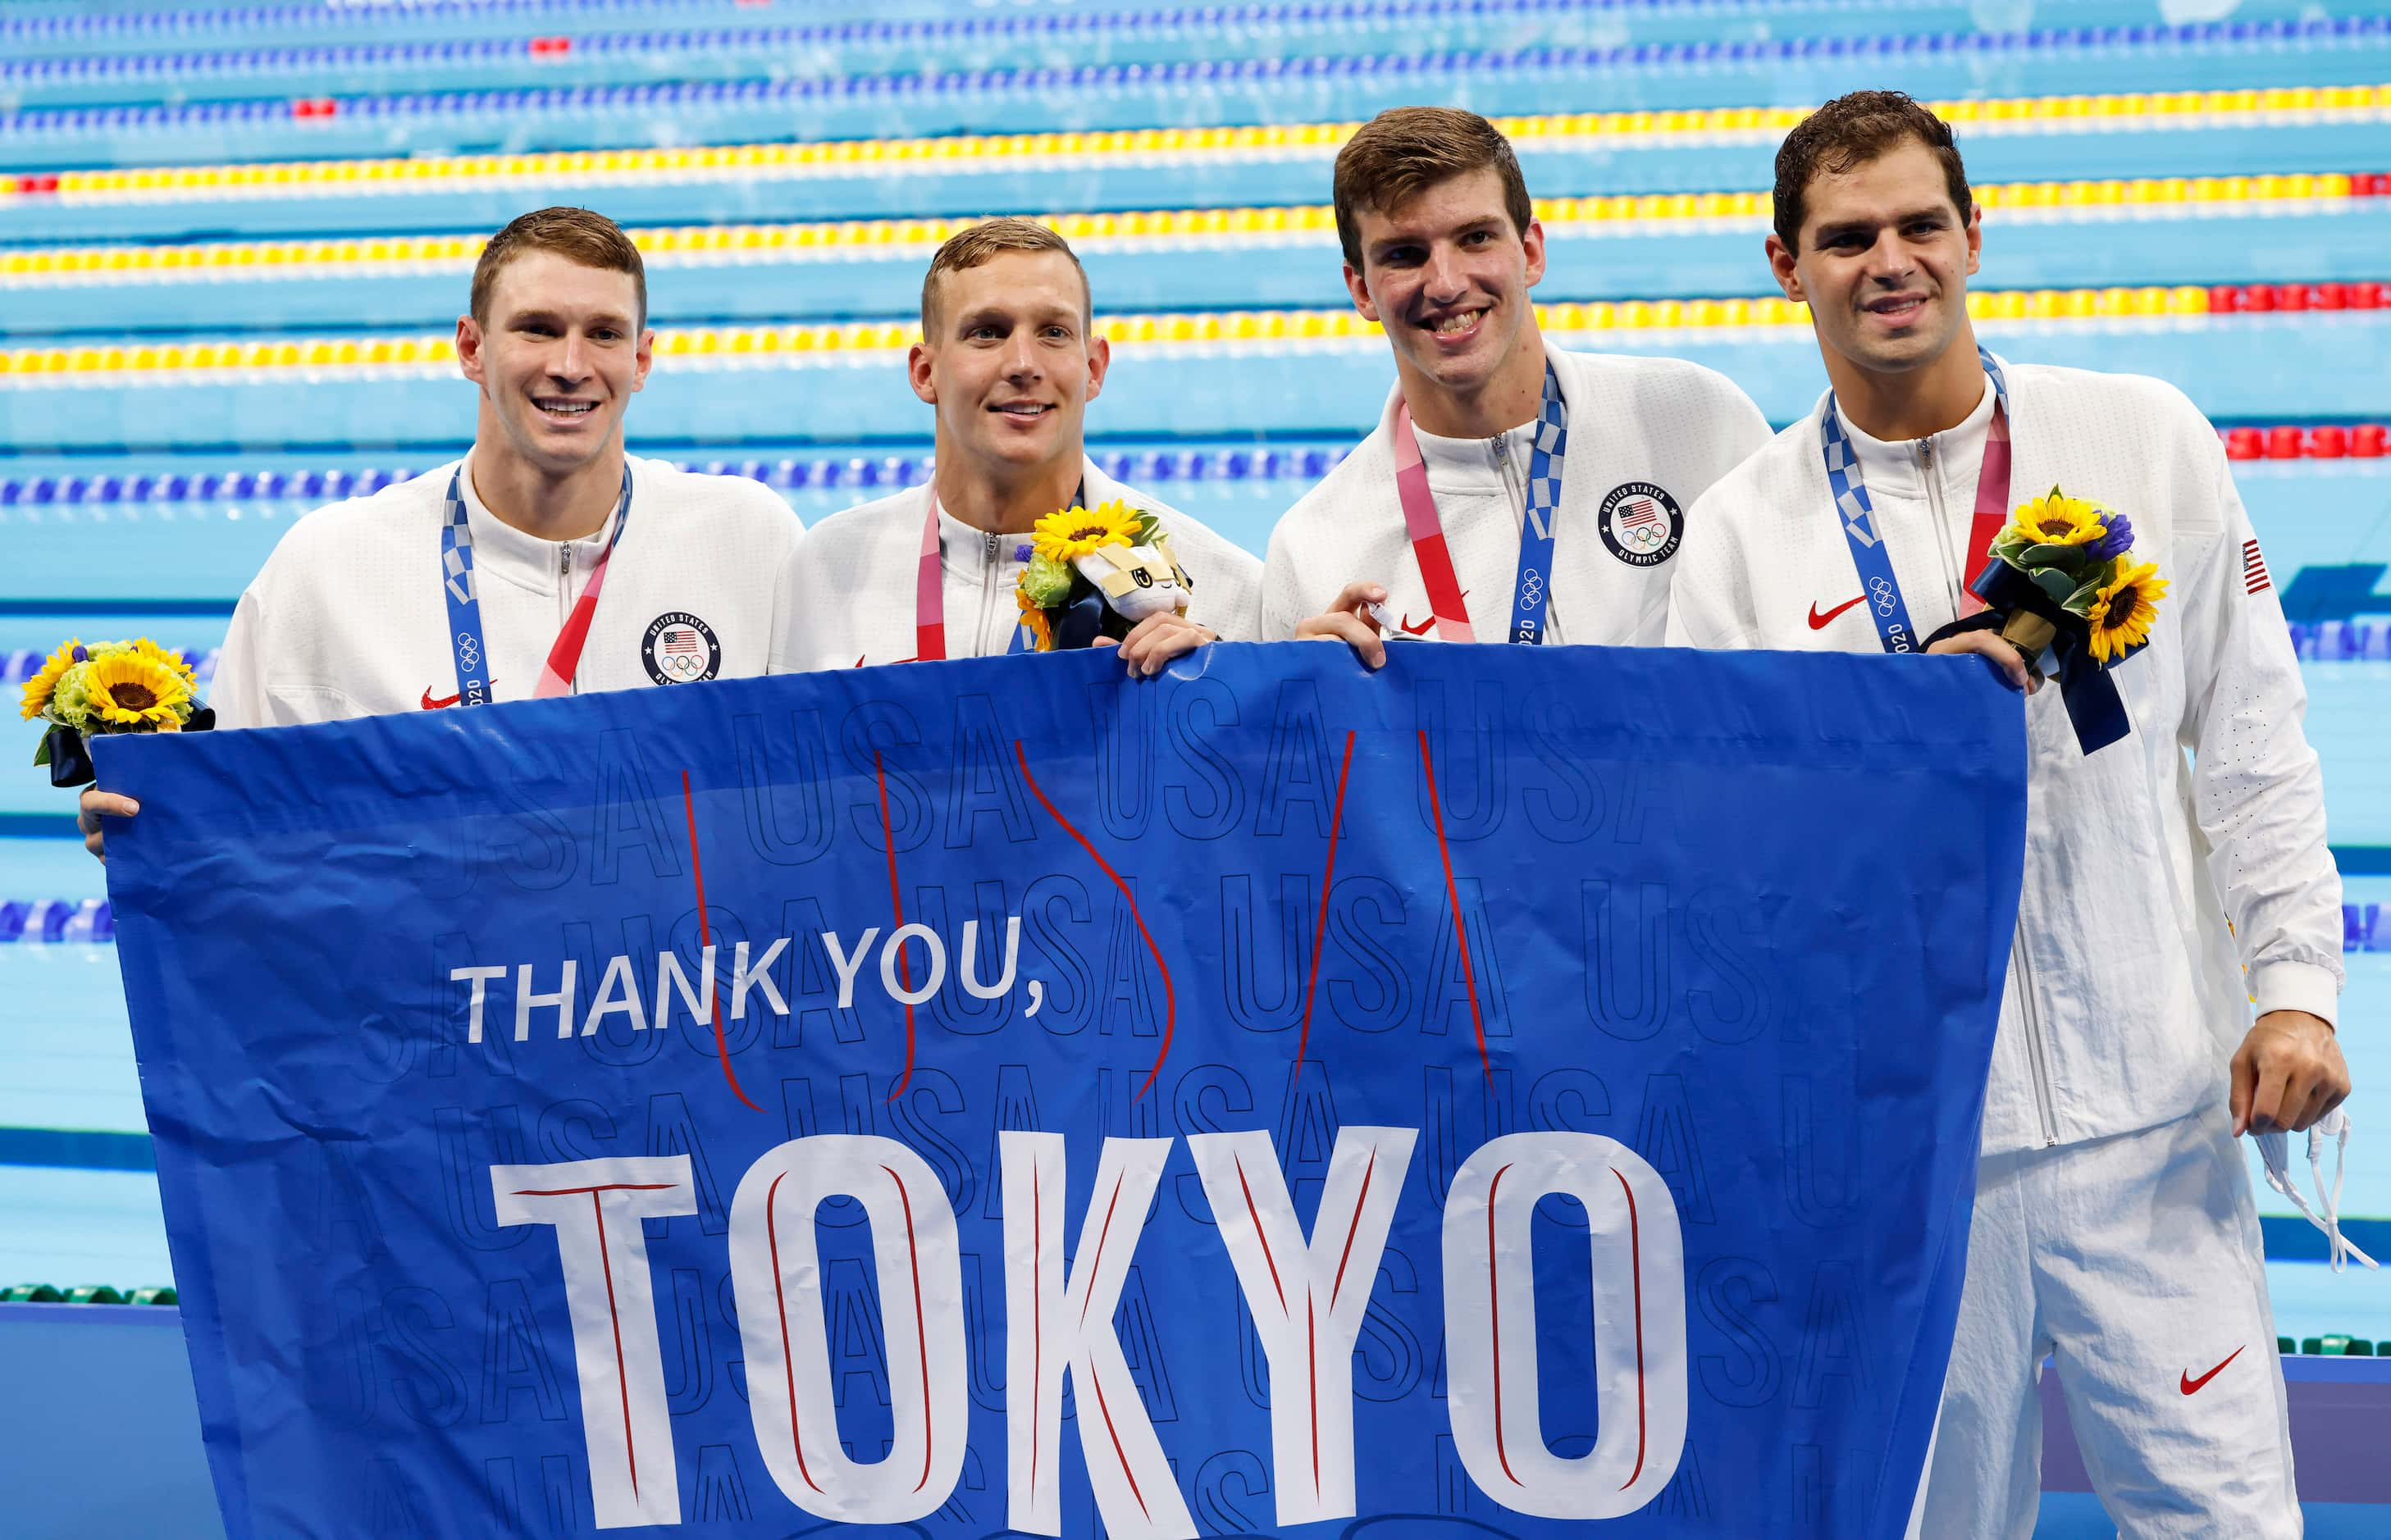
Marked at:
<point>622,1376</point>
<point>920,1325</point>
<point>1105,1406</point>
<point>1636,1263</point>
<point>1102,1235</point>
<point>1312,1338</point>
<point>1355,1228</point>
<point>1494,1323</point>
<point>1252,1214</point>
<point>1452,894</point>
<point>1037,1316</point>
<point>1170,995</point>
<point>781,1297</point>
<point>705,936</point>
<point>896,901</point>
<point>1320,931</point>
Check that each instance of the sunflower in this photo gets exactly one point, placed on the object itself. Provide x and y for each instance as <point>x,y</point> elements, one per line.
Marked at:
<point>1040,624</point>
<point>1076,532</point>
<point>39,687</point>
<point>2058,520</point>
<point>128,688</point>
<point>144,648</point>
<point>2121,611</point>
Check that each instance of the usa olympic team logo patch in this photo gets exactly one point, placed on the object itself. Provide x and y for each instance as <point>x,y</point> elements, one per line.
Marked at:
<point>1641,523</point>
<point>682,650</point>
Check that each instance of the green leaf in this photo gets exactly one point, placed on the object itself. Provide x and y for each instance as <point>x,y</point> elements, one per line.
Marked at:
<point>41,752</point>
<point>2070,556</point>
<point>2056,584</point>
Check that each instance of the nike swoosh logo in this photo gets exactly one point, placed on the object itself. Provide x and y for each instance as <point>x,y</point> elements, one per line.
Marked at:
<point>1421,629</point>
<point>432,705</point>
<point>2191,1386</point>
<point>1818,621</point>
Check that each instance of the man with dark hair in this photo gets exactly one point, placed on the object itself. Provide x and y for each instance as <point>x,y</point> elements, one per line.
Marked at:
<point>1473,513</point>
<point>1009,360</point>
<point>2114,1225</point>
<point>482,580</point>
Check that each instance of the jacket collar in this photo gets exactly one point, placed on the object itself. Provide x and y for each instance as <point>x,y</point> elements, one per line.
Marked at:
<point>1562,371</point>
<point>525,560</point>
<point>964,547</point>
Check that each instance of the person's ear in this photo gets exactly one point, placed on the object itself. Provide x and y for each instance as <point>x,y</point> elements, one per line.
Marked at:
<point>468,349</point>
<point>1782,266</point>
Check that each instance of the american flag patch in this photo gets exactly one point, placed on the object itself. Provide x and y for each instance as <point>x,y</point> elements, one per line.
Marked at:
<point>1637,512</point>
<point>2253,570</point>
<point>680,639</point>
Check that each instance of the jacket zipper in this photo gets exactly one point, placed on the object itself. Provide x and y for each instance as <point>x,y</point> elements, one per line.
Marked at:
<point>990,540</point>
<point>564,596</point>
<point>2029,1009</point>
<point>1942,520</point>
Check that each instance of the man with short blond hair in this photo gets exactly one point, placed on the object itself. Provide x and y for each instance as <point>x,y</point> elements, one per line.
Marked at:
<point>547,562</point>
<point>1511,492</point>
<point>1009,360</point>
<point>2114,1229</point>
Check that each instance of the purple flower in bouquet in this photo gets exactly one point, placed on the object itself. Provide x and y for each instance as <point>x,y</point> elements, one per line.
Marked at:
<point>2116,538</point>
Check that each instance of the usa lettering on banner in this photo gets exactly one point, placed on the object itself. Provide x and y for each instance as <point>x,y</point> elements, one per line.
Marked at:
<point>1500,1096</point>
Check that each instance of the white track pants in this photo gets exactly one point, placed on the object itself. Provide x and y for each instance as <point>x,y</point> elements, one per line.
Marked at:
<point>2135,1263</point>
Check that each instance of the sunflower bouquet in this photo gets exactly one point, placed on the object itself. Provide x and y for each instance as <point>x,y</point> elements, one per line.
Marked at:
<point>82,689</point>
<point>1096,572</point>
<point>2080,560</point>
<point>2063,578</point>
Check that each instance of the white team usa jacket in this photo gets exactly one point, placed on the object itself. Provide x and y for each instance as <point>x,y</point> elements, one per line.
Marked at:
<point>2125,988</point>
<point>348,617</point>
<point>1647,437</point>
<point>847,599</point>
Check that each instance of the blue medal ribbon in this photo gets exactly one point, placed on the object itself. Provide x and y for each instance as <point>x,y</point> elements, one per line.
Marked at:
<point>459,586</point>
<point>1886,605</point>
<point>1546,452</point>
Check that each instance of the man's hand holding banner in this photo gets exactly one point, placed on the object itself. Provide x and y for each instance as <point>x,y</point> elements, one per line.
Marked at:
<point>1513,1094</point>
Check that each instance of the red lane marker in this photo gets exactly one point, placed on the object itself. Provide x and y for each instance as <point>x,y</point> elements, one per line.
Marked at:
<point>622,1375</point>
<point>1453,895</point>
<point>1320,931</point>
<point>921,1327</point>
<point>897,898</point>
<point>781,1297</point>
<point>1355,1228</point>
<point>1494,1324</point>
<point>1170,995</point>
<point>1636,1261</point>
<point>706,938</point>
<point>1252,1214</point>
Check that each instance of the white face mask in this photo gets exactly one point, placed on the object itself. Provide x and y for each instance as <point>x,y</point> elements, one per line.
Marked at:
<point>2274,1149</point>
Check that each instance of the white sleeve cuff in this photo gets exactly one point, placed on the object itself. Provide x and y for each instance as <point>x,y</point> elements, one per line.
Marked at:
<point>2296,986</point>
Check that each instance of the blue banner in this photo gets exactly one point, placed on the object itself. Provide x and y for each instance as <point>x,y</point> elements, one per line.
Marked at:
<point>1526,1092</point>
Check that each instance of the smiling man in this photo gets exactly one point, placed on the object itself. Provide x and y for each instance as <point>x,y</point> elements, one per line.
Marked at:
<point>547,562</point>
<point>1475,512</point>
<point>2113,1228</point>
<point>1008,361</point>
